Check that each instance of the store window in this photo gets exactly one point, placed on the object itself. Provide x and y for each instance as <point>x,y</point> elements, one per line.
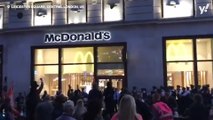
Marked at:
<point>46,67</point>
<point>42,15</point>
<point>113,8</point>
<point>1,17</point>
<point>76,11</point>
<point>94,11</point>
<point>204,61</point>
<point>186,58</point>
<point>110,61</point>
<point>177,8</point>
<point>76,68</point>
<point>179,56</point>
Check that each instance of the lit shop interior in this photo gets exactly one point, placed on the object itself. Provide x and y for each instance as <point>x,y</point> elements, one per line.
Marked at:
<point>189,62</point>
<point>77,66</point>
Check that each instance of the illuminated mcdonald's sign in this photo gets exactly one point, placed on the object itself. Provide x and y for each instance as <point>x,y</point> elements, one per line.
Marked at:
<point>77,37</point>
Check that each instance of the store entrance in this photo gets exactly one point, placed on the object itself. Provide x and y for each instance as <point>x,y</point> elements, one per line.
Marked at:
<point>117,82</point>
<point>76,67</point>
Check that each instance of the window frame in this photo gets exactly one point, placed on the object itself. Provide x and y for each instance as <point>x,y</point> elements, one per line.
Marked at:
<point>193,11</point>
<point>195,60</point>
<point>123,12</point>
<point>60,64</point>
<point>86,12</point>
<point>3,15</point>
<point>43,2</point>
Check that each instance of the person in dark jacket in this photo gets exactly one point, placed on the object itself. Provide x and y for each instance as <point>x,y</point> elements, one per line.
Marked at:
<point>143,108</point>
<point>95,94</point>
<point>44,111</point>
<point>33,98</point>
<point>197,111</point>
<point>58,106</point>
<point>94,110</point>
<point>68,109</point>
<point>108,99</point>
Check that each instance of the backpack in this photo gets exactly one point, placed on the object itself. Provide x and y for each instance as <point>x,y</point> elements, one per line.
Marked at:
<point>163,110</point>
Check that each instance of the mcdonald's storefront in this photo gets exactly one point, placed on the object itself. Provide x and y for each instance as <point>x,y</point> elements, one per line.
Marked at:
<point>79,65</point>
<point>141,55</point>
<point>64,57</point>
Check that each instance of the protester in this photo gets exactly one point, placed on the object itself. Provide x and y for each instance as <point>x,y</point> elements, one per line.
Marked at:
<point>94,110</point>
<point>33,98</point>
<point>197,111</point>
<point>20,101</point>
<point>44,96</point>
<point>127,109</point>
<point>84,95</point>
<point>68,109</point>
<point>142,107</point>
<point>160,109</point>
<point>8,111</point>
<point>44,111</point>
<point>95,93</point>
<point>80,110</point>
<point>116,97</point>
<point>58,105</point>
<point>108,99</point>
<point>163,101</point>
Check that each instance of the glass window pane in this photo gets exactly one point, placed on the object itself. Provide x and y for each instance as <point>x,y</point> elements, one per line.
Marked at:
<point>110,54</point>
<point>116,83</point>
<point>179,50</point>
<point>78,76</point>
<point>205,73</point>
<point>177,8</point>
<point>46,56</point>
<point>110,69</point>
<point>50,77</point>
<point>180,73</point>
<point>42,16</point>
<point>77,11</point>
<point>78,55</point>
<point>1,17</point>
<point>113,8</point>
<point>204,49</point>
<point>94,11</point>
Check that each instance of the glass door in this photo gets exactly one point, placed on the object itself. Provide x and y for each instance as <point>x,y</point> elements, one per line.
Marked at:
<point>117,82</point>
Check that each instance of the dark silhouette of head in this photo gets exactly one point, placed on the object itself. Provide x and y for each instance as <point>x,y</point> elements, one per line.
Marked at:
<point>94,85</point>
<point>198,99</point>
<point>34,85</point>
<point>109,84</point>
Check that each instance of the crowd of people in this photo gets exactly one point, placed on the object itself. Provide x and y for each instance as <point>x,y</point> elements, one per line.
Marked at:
<point>163,103</point>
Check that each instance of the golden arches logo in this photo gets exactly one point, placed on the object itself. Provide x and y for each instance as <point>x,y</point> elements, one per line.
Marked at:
<point>81,58</point>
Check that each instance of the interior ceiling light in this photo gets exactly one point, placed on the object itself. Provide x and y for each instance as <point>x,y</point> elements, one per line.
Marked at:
<point>173,2</point>
<point>113,3</point>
